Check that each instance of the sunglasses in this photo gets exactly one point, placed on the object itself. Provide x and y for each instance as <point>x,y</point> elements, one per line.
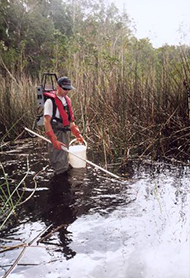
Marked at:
<point>65,89</point>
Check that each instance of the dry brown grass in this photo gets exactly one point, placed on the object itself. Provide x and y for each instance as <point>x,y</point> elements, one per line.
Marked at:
<point>17,104</point>
<point>120,117</point>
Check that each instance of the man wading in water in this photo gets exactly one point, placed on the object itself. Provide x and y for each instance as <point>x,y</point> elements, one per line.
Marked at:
<point>58,122</point>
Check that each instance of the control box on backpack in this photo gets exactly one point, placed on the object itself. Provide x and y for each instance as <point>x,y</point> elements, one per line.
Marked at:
<point>45,90</point>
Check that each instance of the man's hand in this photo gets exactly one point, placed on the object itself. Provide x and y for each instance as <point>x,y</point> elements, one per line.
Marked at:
<point>75,131</point>
<point>57,144</point>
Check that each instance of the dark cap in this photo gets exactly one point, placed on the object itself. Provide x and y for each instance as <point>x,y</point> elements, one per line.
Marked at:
<point>65,83</point>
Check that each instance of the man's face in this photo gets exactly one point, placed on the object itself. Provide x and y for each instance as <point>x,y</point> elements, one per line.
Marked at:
<point>62,92</point>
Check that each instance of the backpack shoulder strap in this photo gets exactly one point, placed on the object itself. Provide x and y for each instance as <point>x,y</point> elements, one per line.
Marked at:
<point>54,107</point>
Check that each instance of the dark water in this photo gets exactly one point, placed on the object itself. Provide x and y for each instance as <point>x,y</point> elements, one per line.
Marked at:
<point>138,228</point>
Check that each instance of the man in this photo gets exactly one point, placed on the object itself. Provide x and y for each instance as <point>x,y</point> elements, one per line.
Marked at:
<point>58,121</point>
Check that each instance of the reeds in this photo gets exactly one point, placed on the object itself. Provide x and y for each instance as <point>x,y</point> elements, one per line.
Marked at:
<point>127,106</point>
<point>136,109</point>
<point>10,196</point>
<point>17,105</point>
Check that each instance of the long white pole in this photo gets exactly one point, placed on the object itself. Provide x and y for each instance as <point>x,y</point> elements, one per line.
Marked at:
<point>66,150</point>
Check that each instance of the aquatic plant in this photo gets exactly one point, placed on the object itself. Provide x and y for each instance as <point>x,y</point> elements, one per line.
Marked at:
<point>10,197</point>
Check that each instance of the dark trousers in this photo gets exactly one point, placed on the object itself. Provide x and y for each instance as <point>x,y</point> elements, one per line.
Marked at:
<point>59,158</point>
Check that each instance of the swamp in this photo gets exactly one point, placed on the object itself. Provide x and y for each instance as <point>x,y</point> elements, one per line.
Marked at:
<point>131,103</point>
<point>87,224</point>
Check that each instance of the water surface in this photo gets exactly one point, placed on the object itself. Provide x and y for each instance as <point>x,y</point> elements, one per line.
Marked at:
<point>138,228</point>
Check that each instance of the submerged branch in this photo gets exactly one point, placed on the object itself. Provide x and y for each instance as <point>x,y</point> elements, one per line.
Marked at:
<point>52,232</point>
<point>22,252</point>
<point>35,187</point>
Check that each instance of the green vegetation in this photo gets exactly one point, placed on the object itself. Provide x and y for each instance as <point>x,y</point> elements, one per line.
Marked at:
<point>10,198</point>
<point>129,98</point>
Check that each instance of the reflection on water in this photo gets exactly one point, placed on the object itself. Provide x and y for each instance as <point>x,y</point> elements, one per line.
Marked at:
<point>134,229</point>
